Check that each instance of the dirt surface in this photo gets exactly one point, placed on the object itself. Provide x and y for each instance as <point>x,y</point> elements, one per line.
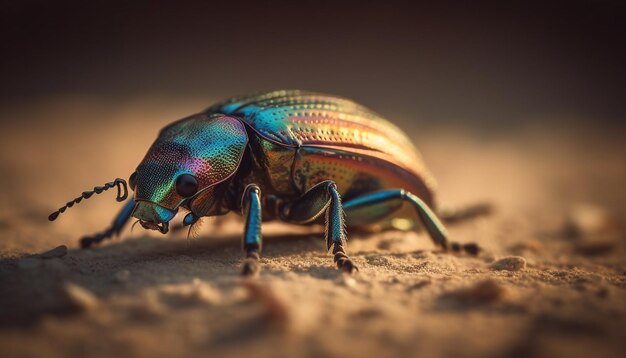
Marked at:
<point>551,280</point>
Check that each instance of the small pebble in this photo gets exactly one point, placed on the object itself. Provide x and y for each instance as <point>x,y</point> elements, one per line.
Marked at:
<point>79,297</point>
<point>511,263</point>
<point>58,251</point>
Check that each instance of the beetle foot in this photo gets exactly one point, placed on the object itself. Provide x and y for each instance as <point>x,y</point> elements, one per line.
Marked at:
<point>343,262</point>
<point>251,265</point>
<point>87,241</point>
<point>471,248</point>
<point>347,266</point>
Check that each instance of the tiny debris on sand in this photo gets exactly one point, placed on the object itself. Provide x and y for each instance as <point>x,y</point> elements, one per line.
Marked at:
<point>79,297</point>
<point>58,251</point>
<point>510,263</point>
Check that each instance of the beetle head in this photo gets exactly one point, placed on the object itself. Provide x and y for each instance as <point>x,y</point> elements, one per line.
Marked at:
<point>188,158</point>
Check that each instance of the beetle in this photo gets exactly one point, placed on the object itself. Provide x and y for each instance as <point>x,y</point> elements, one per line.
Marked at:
<point>297,156</point>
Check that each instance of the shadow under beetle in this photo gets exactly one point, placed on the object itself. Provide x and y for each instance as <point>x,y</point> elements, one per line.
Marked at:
<point>297,156</point>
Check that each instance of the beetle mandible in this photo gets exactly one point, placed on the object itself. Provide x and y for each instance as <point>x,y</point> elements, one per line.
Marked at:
<point>297,156</point>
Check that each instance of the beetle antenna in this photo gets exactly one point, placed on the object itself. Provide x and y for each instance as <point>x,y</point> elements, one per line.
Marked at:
<point>122,194</point>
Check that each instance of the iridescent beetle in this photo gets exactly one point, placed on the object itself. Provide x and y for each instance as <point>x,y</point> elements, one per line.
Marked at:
<point>301,157</point>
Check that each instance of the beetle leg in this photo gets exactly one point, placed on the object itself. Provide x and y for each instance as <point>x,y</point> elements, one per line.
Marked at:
<point>380,204</point>
<point>374,206</point>
<point>323,198</point>
<point>116,226</point>
<point>252,240</point>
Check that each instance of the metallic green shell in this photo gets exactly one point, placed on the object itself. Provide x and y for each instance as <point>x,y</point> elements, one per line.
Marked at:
<point>209,147</point>
<point>332,138</point>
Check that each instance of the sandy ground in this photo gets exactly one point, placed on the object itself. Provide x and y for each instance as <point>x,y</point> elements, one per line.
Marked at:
<point>559,198</point>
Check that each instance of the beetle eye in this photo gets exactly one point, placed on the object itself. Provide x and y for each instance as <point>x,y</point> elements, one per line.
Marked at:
<point>186,185</point>
<point>132,181</point>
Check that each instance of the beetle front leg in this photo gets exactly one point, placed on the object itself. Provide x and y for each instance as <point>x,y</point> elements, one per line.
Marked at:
<point>252,240</point>
<point>116,226</point>
<point>323,198</point>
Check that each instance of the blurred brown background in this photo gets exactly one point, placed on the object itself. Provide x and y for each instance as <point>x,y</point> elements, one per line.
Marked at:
<point>492,62</point>
<point>516,103</point>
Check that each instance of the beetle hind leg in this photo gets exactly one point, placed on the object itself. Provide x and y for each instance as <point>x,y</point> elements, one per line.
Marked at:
<point>323,199</point>
<point>375,206</point>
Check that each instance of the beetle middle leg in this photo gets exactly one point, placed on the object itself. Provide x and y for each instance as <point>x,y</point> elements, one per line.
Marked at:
<point>321,199</point>
<point>371,207</point>
<point>252,240</point>
<point>116,226</point>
